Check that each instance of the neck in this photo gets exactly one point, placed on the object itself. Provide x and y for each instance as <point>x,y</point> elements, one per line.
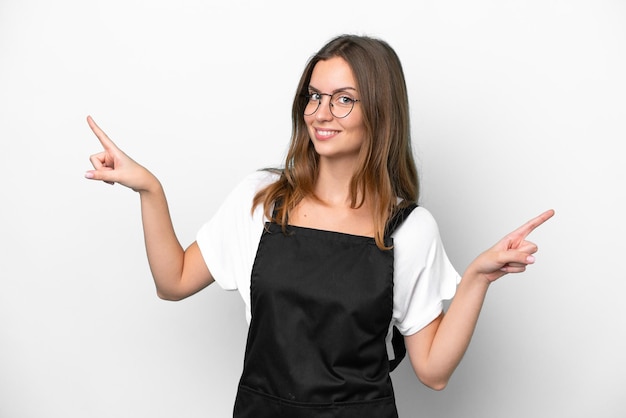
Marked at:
<point>332,186</point>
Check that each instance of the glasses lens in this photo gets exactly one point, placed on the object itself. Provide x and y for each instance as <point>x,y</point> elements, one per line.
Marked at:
<point>311,105</point>
<point>341,104</point>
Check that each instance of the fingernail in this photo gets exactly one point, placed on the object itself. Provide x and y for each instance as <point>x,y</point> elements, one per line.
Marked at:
<point>530,259</point>
<point>89,175</point>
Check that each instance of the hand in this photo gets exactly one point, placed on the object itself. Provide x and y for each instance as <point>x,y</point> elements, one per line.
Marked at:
<point>511,254</point>
<point>114,166</point>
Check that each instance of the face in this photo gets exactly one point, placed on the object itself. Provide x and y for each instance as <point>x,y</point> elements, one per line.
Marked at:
<point>335,138</point>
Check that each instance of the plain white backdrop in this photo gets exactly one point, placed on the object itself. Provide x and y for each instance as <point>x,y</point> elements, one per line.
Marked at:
<point>517,107</point>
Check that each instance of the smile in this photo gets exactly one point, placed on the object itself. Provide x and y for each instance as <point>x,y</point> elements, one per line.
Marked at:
<point>325,133</point>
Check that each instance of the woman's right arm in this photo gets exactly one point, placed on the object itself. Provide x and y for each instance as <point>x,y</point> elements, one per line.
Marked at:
<point>177,273</point>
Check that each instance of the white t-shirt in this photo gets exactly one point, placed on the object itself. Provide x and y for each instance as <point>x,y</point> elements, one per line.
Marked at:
<point>423,274</point>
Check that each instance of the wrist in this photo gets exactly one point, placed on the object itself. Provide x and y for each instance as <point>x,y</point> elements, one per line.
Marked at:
<point>150,185</point>
<point>473,277</point>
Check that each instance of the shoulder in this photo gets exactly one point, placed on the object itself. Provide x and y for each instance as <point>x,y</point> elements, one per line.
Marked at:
<point>252,183</point>
<point>256,180</point>
<point>419,223</point>
<point>417,238</point>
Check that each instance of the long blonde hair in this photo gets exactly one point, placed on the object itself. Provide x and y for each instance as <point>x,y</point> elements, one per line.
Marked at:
<point>387,168</point>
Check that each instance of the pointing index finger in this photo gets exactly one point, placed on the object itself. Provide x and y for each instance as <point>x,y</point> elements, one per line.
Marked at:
<point>102,137</point>
<point>531,225</point>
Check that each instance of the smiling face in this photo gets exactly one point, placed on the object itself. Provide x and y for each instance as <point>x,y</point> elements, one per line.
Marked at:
<point>335,138</point>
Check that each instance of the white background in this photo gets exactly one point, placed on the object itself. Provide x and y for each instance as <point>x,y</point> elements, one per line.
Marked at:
<point>517,107</point>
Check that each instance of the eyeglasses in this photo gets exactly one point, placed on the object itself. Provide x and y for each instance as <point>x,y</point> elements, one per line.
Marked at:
<point>341,104</point>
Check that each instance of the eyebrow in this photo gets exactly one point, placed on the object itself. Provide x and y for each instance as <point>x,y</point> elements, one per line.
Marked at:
<point>334,91</point>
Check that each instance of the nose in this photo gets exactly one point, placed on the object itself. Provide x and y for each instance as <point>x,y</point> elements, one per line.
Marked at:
<point>323,111</point>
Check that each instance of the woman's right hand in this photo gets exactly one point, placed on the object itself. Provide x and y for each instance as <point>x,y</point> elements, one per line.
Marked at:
<point>112,165</point>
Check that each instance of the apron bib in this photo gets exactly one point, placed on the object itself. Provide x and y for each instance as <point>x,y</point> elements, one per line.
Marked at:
<point>321,305</point>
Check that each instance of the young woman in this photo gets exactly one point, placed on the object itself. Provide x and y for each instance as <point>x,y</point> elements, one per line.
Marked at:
<point>334,259</point>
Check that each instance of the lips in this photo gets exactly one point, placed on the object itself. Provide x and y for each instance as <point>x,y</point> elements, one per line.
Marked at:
<point>325,133</point>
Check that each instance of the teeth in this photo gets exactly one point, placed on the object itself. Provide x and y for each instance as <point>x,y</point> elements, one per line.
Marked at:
<point>326,133</point>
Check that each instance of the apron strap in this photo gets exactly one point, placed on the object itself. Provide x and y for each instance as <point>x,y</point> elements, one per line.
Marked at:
<point>396,220</point>
<point>397,339</point>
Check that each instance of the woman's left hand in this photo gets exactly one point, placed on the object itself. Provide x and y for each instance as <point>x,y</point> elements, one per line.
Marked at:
<point>511,254</point>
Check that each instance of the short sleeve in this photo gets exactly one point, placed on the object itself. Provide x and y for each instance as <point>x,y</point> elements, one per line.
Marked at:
<point>229,240</point>
<point>423,275</point>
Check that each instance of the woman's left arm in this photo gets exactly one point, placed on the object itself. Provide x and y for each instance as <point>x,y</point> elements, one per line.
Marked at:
<point>437,349</point>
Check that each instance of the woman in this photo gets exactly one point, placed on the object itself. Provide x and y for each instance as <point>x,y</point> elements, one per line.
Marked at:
<point>331,254</point>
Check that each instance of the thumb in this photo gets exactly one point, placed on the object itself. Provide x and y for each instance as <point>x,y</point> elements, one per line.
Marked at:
<point>104,174</point>
<point>518,257</point>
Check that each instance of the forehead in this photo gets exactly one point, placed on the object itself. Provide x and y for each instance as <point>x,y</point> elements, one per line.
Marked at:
<point>332,74</point>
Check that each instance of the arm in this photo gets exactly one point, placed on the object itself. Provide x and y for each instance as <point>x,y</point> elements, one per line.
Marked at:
<point>437,349</point>
<point>177,273</point>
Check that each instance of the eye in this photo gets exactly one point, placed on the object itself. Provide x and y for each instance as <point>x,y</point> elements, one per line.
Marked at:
<point>344,100</point>
<point>314,97</point>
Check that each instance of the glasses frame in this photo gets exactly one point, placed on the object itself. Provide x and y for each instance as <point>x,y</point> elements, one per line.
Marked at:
<point>330,103</point>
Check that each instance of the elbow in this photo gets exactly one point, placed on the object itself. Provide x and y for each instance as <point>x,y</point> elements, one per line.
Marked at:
<point>169,296</point>
<point>437,385</point>
<point>434,382</point>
